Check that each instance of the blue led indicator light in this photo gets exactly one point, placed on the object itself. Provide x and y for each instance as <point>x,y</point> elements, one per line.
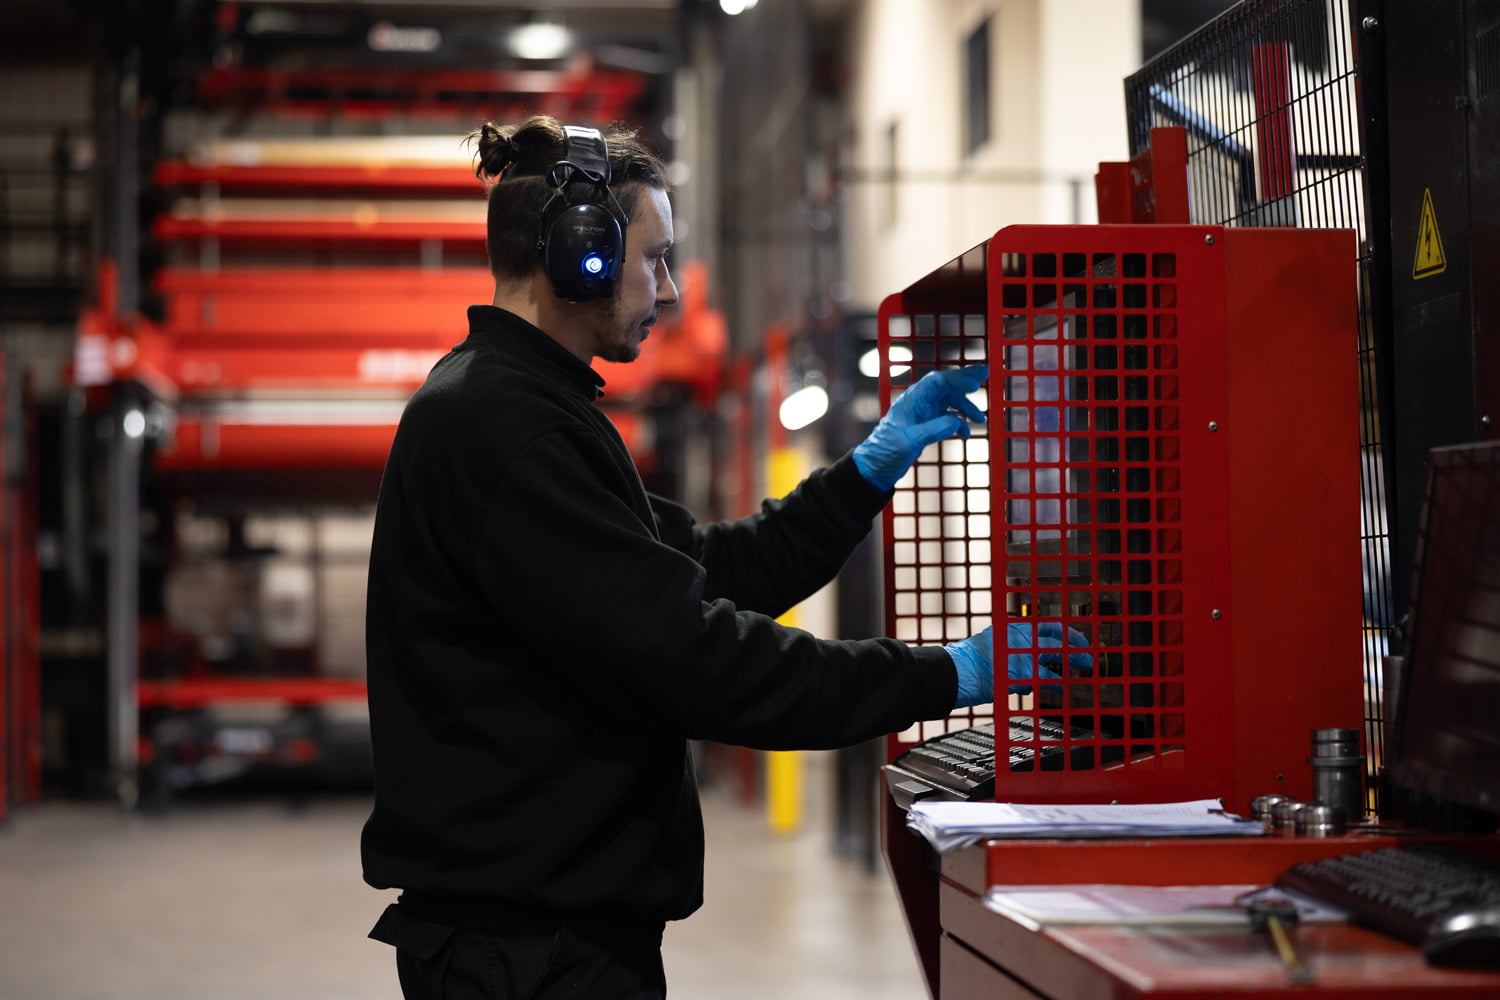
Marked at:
<point>593,264</point>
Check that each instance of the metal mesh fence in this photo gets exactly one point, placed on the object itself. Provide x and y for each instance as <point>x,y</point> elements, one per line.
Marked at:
<point>1269,95</point>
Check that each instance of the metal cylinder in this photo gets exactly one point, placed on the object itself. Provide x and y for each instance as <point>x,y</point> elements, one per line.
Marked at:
<point>1338,771</point>
<point>1313,820</point>
<point>1283,815</point>
<point>1261,805</point>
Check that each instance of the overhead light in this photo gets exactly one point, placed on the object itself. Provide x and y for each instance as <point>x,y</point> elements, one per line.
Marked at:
<point>733,7</point>
<point>540,40</point>
<point>803,407</point>
<point>134,423</point>
<point>869,362</point>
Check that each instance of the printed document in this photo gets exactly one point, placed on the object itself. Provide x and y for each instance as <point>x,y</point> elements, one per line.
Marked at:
<point>950,825</point>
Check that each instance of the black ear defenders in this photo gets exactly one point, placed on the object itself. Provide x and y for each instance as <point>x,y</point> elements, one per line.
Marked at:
<point>582,243</point>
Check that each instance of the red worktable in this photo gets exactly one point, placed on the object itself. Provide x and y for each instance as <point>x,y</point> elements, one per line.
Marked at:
<point>968,950</point>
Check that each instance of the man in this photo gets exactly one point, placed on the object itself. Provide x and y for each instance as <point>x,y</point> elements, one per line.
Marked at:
<point>544,637</point>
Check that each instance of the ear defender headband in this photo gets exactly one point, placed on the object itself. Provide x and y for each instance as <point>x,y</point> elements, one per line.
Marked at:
<point>582,243</point>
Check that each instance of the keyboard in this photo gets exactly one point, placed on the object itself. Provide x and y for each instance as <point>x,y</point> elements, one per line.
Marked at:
<point>1443,901</point>
<point>961,765</point>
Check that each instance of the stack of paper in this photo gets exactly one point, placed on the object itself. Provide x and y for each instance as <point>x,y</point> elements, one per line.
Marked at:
<point>1045,905</point>
<point>951,825</point>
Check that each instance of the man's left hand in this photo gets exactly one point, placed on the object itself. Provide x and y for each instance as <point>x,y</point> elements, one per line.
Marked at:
<point>934,409</point>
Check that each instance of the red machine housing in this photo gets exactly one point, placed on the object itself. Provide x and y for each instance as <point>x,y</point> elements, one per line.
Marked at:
<point>1171,472</point>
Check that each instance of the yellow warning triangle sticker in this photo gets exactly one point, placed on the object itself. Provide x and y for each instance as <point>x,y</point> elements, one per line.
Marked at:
<point>1429,259</point>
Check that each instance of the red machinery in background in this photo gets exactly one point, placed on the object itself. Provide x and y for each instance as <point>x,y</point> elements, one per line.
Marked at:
<point>303,300</point>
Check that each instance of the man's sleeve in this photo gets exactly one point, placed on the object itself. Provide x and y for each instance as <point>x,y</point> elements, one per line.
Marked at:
<point>623,618</point>
<point>783,553</point>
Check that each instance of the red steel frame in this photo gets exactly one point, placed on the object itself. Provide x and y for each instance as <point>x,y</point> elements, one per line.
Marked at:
<point>1151,186</point>
<point>1177,414</point>
<point>279,231</point>
<point>271,178</point>
<point>1271,64</point>
<point>472,95</point>
<point>20,621</point>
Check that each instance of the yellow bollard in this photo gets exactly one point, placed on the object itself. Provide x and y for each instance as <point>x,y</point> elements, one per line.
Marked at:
<point>784,767</point>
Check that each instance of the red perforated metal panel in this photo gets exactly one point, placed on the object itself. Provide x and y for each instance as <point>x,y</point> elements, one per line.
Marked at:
<point>1110,363</point>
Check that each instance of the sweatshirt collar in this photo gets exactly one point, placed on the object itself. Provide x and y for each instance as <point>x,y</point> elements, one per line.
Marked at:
<point>499,329</point>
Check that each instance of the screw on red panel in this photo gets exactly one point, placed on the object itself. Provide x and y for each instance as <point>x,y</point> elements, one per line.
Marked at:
<point>1213,425</point>
<point>1217,613</point>
<point>1209,239</point>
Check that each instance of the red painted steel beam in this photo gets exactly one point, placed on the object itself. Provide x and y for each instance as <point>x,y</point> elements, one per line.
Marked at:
<point>20,623</point>
<point>203,444</point>
<point>218,364</point>
<point>403,179</point>
<point>201,692</point>
<point>327,281</point>
<point>201,369</point>
<point>1168,179</point>
<point>467,94</point>
<point>1112,192</point>
<point>330,305</point>
<point>7,665</point>
<point>1272,72</point>
<point>1151,186</point>
<point>237,82</point>
<point>26,614</point>
<point>779,371</point>
<point>289,230</point>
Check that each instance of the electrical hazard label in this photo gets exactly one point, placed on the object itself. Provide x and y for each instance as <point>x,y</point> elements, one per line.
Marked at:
<point>1429,259</point>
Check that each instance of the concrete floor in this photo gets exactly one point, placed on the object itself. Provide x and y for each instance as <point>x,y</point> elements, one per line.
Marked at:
<point>248,897</point>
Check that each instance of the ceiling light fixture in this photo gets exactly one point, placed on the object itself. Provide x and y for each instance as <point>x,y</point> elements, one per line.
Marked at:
<point>803,407</point>
<point>540,40</point>
<point>869,363</point>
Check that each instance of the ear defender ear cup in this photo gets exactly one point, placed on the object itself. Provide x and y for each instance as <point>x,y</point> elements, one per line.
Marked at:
<point>582,249</point>
<point>582,244</point>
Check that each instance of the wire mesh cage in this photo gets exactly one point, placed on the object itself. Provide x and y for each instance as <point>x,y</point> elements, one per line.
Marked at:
<point>1155,487</point>
<point>1269,95</point>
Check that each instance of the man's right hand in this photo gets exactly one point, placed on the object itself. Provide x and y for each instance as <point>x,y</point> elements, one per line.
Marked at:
<point>1018,666</point>
<point>974,659</point>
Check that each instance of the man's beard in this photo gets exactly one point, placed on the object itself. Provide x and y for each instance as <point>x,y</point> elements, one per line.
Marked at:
<point>612,340</point>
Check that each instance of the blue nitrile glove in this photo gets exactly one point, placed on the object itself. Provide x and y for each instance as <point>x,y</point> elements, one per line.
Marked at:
<point>921,416</point>
<point>1049,636</point>
<point>974,659</point>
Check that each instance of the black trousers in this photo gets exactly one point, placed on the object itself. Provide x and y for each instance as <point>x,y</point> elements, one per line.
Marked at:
<point>488,953</point>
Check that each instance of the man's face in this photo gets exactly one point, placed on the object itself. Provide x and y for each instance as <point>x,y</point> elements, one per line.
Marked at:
<point>644,287</point>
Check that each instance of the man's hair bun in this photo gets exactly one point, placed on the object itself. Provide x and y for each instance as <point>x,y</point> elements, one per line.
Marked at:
<point>496,149</point>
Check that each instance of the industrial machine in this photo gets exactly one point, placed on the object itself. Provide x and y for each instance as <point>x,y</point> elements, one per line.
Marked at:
<point>1176,484</point>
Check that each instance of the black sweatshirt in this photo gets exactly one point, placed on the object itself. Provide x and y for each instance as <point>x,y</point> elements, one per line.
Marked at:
<point>543,637</point>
